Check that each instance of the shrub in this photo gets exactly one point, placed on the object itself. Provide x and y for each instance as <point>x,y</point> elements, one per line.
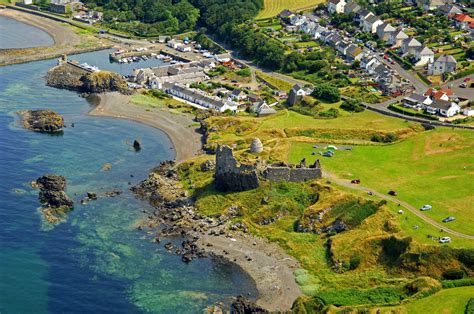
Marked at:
<point>244,72</point>
<point>380,138</point>
<point>453,274</point>
<point>423,286</point>
<point>393,247</point>
<point>352,105</point>
<point>469,306</point>
<point>458,283</point>
<point>352,296</point>
<point>304,305</point>
<point>331,113</point>
<point>327,93</point>
<point>354,261</point>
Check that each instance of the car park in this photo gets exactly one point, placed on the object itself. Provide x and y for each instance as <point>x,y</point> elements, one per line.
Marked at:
<point>425,207</point>
<point>445,240</point>
<point>449,219</point>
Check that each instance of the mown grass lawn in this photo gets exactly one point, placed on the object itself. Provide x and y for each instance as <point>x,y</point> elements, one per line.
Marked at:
<point>274,7</point>
<point>448,301</point>
<point>434,167</point>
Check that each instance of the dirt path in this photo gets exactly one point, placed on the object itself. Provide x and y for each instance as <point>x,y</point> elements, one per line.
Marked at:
<point>185,139</point>
<point>414,210</point>
<point>271,269</point>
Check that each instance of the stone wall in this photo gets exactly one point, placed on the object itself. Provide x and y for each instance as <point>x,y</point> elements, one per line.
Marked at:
<point>230,175</point>
<point>293,173</point>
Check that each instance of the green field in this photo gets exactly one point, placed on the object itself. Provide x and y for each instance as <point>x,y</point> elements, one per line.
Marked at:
<point>448,301</point>
<point>433,167</point>
<point>274,7</point>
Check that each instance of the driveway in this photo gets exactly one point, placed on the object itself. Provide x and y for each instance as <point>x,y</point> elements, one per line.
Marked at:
<point>467,93</point>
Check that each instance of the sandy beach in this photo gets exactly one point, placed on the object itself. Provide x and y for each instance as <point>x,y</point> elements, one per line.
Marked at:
<point>267,264</point>
<point>186,139</point>
<point>66,41</point>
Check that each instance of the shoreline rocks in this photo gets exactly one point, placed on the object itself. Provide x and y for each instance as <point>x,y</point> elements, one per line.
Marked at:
<point>68,76</point>
<point>46,121</point>
<point>56,203</point>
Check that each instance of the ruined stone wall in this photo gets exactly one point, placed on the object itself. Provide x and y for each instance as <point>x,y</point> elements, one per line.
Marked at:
<point>304,174</point>
<point>230,175</point>
<point>293,174</point>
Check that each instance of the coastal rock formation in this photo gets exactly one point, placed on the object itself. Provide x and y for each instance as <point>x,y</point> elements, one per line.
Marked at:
<point>230,175</point>
<point>52,191</point>
<point>256,146</point>
<point>72,77</point>
<point>137,145</point>
<point>208,165</point>
<point>104,81</point>
<point>243,305</point>
<point>42,120</point>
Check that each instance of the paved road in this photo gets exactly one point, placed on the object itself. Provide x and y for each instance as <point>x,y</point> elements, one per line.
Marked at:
<point>414,210</point>
<point>418,84</point>
<point>461,92</point>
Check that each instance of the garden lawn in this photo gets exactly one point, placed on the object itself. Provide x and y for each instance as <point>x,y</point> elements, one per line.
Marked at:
<point>274,7</point>
<point>446,301</point>
<point>434,167</point>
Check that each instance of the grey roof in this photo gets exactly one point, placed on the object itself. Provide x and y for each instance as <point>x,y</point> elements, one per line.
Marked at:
<point>385,27</point>
<point>446,59</point>
<point>352,49</point>
<point>215,102</point>
<point>236,92</point>
<point>400,34</point>
<point>423,50</point>
<point>351,7</point>
<point>285,13</point>
<point>416,98</point>
<point>450,9</point>
<point>411,41</point>
<point>373,19</point>
<point>441,104</point>
<point>296,88</point>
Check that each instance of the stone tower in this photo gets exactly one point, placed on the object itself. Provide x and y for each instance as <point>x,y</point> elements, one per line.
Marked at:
<point>256,147</point>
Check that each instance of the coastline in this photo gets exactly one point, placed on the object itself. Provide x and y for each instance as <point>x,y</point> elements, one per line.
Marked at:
<point>186,140</point>
<point>266,263</point>
<point>66,41</point>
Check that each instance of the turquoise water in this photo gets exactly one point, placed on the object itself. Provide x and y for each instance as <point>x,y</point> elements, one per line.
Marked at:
<point>96,260</point>
<point>14,34</point>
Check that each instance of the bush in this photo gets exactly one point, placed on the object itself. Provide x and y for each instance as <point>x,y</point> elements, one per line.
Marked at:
<point>380,138</point>
<point>245,72</point>
<point>394,247</point>
<point>458,283</point>
<point>303,305</point>
<point>352,105</point>
<point>453,274</point>
<point>423,286</point>
<point>352,296</point>
<point>354,261</point>
<point>330,114</point>
<point>469,306</point>
<point>327,93</point>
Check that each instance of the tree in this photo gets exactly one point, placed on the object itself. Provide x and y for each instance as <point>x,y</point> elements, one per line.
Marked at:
<point>327,93</point>
<point>352,105</point>
<point>470,53</point>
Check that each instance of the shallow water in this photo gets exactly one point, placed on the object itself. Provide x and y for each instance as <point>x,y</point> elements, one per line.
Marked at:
<point>15,34</point>
<point>96,261</point>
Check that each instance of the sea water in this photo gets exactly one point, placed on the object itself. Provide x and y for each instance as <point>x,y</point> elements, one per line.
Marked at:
<point>96,260</point>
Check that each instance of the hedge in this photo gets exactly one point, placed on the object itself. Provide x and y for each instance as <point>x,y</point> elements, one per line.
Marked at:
<point>458,283</point>
<point>406,65</point>
<point>463,73</point>
<point>412,114</point>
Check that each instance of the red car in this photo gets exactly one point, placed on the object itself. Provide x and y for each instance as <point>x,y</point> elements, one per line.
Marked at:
<point>467,79</point>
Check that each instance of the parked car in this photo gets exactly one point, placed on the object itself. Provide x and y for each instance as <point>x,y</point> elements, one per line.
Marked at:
<point>426,207</point>
<point>393,193</point>
<point>448,219</point>
<point>328,153</point>
<point>355,181</point>
<point>445,240</point>
<point>370,193</point>
<point>463,85</point>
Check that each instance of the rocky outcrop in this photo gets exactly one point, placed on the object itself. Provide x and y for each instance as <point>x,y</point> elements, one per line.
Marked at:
<point>104,81</point>
<point>52,191</point>
<point>42,120</point>
<point>242,305</point>
<point>68,76</point>
<point>230,175</point>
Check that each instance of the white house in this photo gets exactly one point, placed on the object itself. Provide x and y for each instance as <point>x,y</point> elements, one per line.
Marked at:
<point>296,94</point>
<point>174,44</point>
<point>183,48</point>
<point>371,23</point>
<point>238,95</point>
<point>384,30</point>
<point>396,38</point>
<point>298,20</point>
<point>444,108</point>
<point>336,6</point>
<point>423,56</point>
<point>318,31</point>
<point>363,15</point>
<point>410,45</point>
<point>199,99</point>
<point>469,112</point>
<point>308,27</point>
<point>444,64</point>
<point>416,101</point>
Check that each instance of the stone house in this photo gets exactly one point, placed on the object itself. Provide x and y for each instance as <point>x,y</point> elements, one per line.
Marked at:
<point>409,46</point>
<point>444,64</point>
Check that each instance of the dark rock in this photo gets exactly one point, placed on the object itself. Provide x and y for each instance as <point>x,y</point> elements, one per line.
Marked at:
<point>242,305</point>
<point>42,120</point>
<point>92,195</point>
<point>52,193</point>
<point>113,193</point>
<point>137,145</point>
<point>208,165</point>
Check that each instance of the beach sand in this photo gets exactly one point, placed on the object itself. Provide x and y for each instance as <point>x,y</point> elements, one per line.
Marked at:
<point>185,138</point>
<point>66,41</point>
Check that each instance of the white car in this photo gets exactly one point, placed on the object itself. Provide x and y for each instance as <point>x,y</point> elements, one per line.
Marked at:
<point>426,207</point>
<point>445,240</point>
